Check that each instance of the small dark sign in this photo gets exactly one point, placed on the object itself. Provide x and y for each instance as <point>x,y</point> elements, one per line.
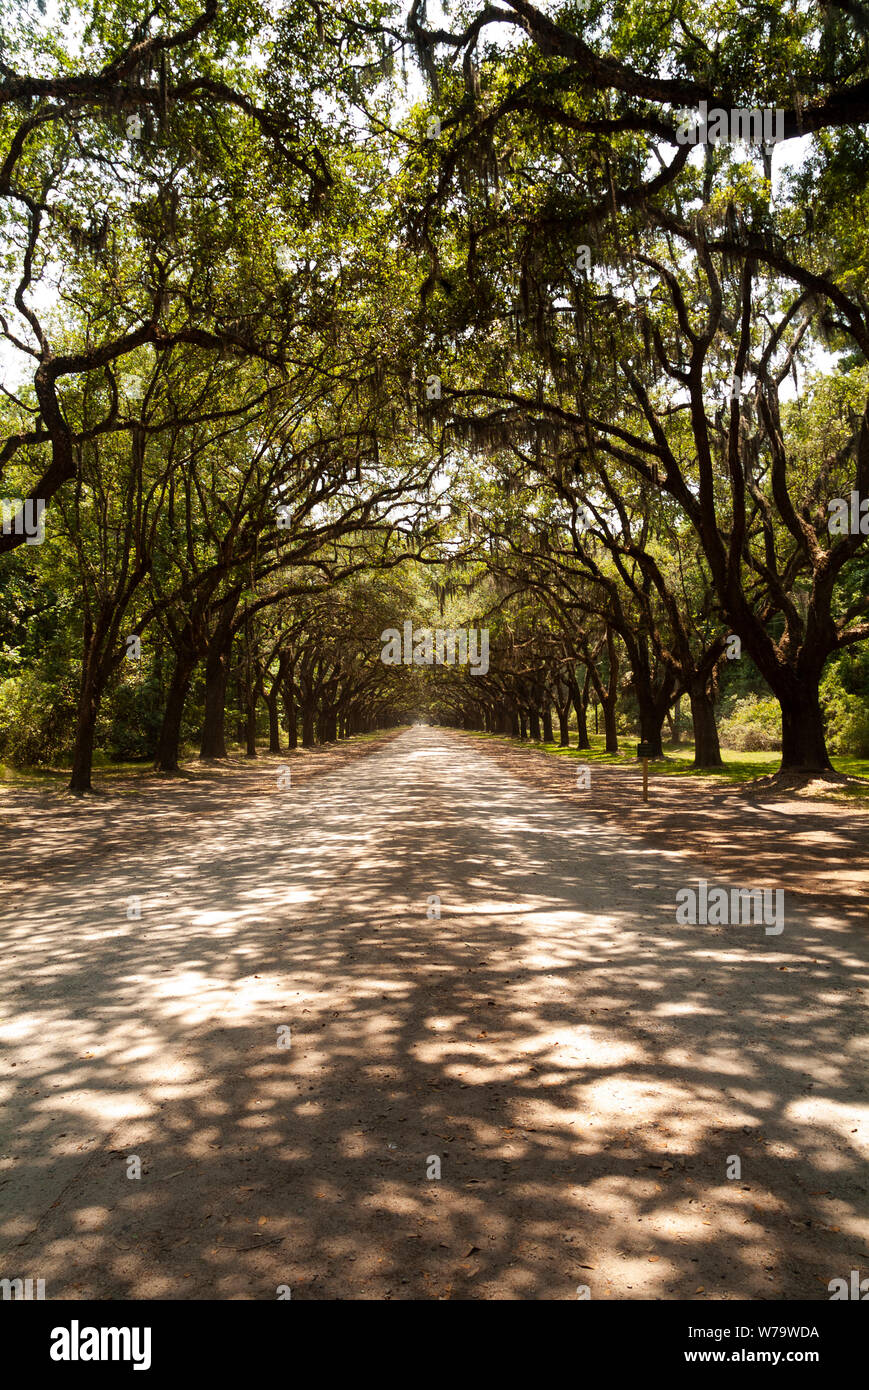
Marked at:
<point>645,750</point>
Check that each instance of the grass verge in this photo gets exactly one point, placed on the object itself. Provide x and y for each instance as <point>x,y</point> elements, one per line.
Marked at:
<point>678,761</point>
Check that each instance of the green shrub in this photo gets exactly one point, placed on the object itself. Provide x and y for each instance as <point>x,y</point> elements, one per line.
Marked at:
<point>845,701</point>
<point>753,726</point>
<point>35,720</point>
<point>847,718</point>
<point>133,715</point>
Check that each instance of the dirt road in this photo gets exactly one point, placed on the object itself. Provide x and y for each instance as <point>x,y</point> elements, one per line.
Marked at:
<point>582,1070</point>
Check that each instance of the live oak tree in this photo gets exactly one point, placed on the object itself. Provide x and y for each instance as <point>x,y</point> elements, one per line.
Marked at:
<point>216,256</point>
<point>152,127</point>
<point>687,280</point>
<point>620,562</point>
<point>266,304</point>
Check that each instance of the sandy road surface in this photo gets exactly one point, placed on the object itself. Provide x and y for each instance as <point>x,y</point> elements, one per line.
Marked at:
<point>583,1068</point>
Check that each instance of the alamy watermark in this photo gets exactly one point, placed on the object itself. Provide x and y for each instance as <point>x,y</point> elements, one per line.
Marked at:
<point>76,1343</point>
<point>425,646</point>
<point>738,126</point>
<point>14,1289</point>
<point>716,907</point>
<point>849,516</point>
<point>858,1288</point>
<point>23,518</point>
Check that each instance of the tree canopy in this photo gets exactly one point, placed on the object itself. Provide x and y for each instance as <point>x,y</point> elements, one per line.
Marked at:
<point>547,321</point>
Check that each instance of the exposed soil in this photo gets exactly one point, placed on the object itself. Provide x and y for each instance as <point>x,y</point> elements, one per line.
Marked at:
<point>760,833</point>
<point>583,1070</point>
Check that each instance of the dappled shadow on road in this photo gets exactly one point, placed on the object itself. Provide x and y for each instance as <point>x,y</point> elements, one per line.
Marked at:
<point>584,1070</point>
<point>817,849</point>
<point>44,829</point>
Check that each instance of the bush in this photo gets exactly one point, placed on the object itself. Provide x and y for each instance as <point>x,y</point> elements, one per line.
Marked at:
<point>133,714</point>
<point>847,719</point>
<point>753,726</point>
<point>845,702</point>
<point>35,717</point>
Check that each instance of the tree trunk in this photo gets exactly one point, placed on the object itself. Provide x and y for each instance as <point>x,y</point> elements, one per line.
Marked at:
<point>534,725</point>
<point>653,697</point>
<point>611,737</point>
<point>579,700</point>
<point>94,674</point>
<point>563,725</point>
<point>651,724</point>
<point>804,744</point>
<point>707,752</point>
<point>274,720</point>
<point>86,721</point>
<point>169,742</point>
<point>548,734</point>
<point>213,744</point>
<point>795,686</point>
<point>308,714</point>
<point>608,695</point>
<point>582,740</point>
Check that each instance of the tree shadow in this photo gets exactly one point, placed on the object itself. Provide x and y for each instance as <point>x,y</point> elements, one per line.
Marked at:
<point>584,1069</point>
